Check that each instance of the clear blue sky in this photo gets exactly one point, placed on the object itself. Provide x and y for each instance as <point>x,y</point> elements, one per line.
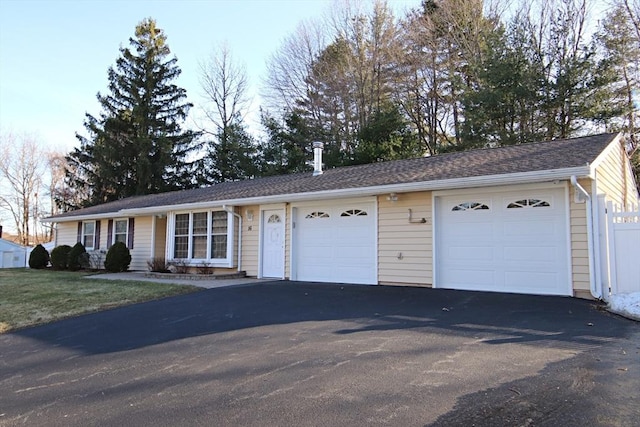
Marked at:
<point>54,54</point>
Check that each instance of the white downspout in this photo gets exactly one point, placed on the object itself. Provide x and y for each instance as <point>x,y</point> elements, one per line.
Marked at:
<point>592,280</point>
<point>228,210</point>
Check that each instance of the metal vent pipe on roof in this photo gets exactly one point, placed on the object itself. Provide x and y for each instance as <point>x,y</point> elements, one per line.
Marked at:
<point>317,158</point>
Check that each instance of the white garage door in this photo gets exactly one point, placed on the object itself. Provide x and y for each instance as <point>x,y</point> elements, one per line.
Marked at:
<point>504,242</point>
<point>335,243</point>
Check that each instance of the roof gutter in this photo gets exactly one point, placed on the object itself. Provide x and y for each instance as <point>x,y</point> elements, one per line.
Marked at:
<point>595,292</point>
<point>446,184</point>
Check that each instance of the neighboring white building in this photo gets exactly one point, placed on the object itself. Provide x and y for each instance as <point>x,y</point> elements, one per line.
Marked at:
<point>12,255</point>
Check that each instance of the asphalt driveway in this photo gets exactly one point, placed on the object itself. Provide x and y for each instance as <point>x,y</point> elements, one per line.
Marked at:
<point>294,354</point>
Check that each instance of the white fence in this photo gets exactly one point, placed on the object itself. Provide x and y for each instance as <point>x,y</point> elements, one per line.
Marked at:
<point>623,241</point>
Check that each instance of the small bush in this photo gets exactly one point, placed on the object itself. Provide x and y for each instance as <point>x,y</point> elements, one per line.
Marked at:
<point>78,257</point>
<point>158,265</point>
<point>96,259</point>
<point>39,257</point>
<point>60,257</point>
<point>180,266</point>
<point>204,268</point>
<point>118,258</point>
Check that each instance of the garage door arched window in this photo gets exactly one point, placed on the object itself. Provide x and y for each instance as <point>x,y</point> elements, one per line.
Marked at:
<point>470,206</point>
<point>317,214</point>
<point>354,212</point>
<point>528,203</point>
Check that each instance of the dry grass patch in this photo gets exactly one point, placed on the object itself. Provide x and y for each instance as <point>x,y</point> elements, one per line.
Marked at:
<point>30,297</point>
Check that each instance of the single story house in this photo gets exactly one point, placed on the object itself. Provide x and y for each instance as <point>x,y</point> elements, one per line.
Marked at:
<point>521,219</point>
<point>12,255</point>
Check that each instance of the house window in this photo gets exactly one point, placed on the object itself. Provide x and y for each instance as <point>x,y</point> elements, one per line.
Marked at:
<point>181,244</point>
<point>120,231</point>
<point>88,234</point>
<point>201,235</point>
<point>470,206</point>
<point>218,234</point>
<point>528,203</point>
<point>199,246</point>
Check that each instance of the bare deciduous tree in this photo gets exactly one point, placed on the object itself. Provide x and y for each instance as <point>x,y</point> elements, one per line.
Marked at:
<point>225,86</point>
<point>22,166</point>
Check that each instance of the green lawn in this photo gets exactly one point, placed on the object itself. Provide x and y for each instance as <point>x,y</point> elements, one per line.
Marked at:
<point>30,297</point>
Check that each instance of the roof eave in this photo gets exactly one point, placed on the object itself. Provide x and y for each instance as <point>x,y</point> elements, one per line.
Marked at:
<point>446,184</point>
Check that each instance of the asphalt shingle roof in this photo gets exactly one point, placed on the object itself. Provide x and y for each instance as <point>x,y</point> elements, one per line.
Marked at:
<point>541,156</point>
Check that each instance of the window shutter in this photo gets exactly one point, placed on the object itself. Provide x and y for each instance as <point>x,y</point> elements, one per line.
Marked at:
<point>79,232</point>
<point>130,233</point>
<point>97,245</point>
<point>109,233</point>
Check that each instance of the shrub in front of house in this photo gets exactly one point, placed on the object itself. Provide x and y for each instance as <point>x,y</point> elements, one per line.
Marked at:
<point>60,257</point>
<point>78,257</point>
<point>39,257</point>
<point>158,265</point>
<point>118,258</point>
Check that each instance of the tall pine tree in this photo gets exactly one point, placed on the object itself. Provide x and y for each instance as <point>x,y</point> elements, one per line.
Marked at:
<point>137,146</point>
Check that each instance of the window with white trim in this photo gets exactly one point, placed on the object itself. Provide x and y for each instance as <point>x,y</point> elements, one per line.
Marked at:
<point>120,230</point>
<point>181,242</point>
<point>201,235</point>
<point>88,234</point>
<point>219,234</point>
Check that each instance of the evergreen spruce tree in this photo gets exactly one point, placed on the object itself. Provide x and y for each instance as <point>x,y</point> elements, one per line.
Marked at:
<point>232,157</point>
<point>137,145</point>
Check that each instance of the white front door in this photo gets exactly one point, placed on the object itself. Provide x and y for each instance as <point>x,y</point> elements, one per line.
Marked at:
<point>273,243</point>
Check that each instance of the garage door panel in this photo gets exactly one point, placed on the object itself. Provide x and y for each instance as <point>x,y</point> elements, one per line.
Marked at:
<point>521,237</point>
<point>543,228</point>
<point>471,253</point>
<point>544,282</point>
<point>462,230</point>
<point>530,254</point>
<point>470,278</point>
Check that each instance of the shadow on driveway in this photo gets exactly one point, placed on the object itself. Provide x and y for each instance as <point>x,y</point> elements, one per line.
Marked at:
<point>497,318</point>
<point>303,354</point>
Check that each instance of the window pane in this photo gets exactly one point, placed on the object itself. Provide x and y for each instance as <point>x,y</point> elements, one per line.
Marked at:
<point>121,226</point>
<point>89,227</point>
<point>219,246</point>
<point>199,249</point>
<point>182,224</point>
<point>219,222</point>
<point>181,247</point>
<point>121,238</point>
<point>200,223</point>
<point>88,241</point>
